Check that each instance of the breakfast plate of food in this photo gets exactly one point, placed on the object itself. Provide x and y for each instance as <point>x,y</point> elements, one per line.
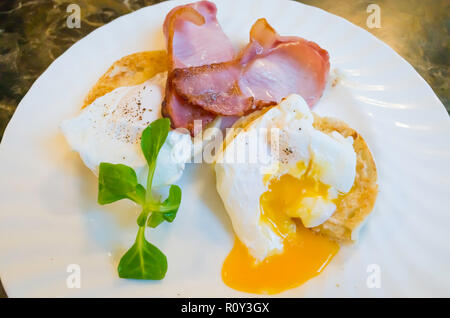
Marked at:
<point>227,149</point>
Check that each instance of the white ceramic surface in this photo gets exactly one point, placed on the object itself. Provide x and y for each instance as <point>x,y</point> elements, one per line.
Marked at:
<point>49,217</point>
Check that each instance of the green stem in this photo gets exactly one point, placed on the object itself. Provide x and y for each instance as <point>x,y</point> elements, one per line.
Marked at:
<point>151,172</point>
<point>140,238</point>
<point>142,219</point>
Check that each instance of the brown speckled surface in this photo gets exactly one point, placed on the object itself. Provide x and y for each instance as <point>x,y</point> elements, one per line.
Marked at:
<point>33,33</point>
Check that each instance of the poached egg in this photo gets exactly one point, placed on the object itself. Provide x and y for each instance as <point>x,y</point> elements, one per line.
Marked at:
<point>109,130</point>
<point>291,179</point>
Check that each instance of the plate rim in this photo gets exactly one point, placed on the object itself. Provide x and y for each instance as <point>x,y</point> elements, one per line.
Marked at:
<point>172,3</point>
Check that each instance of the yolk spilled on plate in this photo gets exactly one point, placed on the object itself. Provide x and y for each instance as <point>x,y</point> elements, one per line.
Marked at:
<point>305,254</point>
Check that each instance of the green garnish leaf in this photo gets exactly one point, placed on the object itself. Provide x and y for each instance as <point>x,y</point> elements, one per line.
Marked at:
<point>143,260</point>
<point>117,182</point>
<point>166,211</point>
<point>140,194</point>
<point>153,138</point>
<point>155,219</point>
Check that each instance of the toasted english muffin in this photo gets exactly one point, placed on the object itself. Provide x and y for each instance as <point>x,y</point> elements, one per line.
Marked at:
<point>130,70</point>
<point>357,204</point>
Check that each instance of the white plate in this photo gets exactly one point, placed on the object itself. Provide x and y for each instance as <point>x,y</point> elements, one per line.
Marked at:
<point>49,217</point>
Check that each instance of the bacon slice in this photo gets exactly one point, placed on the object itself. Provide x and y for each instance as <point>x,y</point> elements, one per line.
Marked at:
<point>216,89</point>
<point>270,68</point>
<point>194,38</point>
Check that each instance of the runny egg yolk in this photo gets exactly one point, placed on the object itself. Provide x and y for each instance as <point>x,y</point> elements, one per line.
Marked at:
<point>305,254</point>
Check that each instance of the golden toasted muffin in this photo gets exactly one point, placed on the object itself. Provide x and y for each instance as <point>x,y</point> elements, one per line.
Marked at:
<point>130,70</point>
<point>343,226</point>
<point>357,204</point>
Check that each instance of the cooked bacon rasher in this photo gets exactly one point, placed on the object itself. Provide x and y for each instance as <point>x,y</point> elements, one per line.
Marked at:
<point>194,37</point>
<point>206,79</point>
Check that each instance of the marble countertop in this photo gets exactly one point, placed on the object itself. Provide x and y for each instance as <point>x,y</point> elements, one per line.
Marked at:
<point>34,32</point>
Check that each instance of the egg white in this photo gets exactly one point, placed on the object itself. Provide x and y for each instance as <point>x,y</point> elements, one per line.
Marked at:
<point>109,130</point>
